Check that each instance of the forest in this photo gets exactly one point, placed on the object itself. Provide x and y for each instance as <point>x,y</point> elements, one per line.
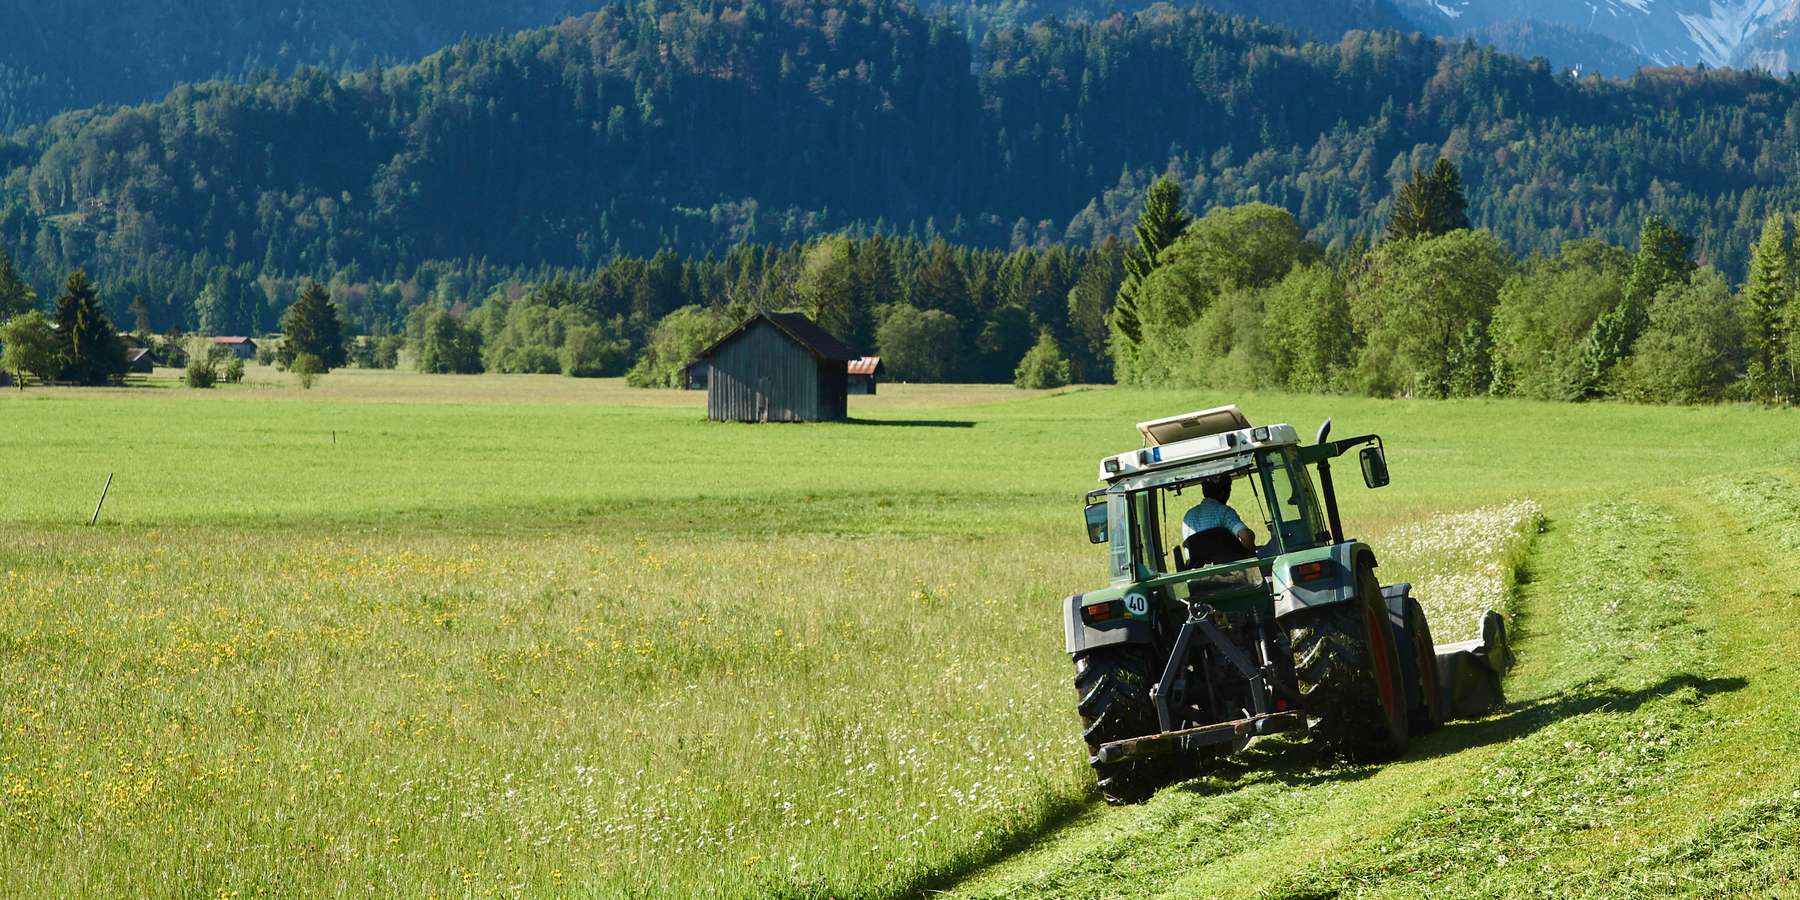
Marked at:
<point>655,169</point>
<point>701,126</point>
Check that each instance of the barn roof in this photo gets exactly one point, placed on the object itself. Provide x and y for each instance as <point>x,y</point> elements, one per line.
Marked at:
<point>803,330</point>
<point>868,365</point>
<point>135,355</point>
<point>232,340</point>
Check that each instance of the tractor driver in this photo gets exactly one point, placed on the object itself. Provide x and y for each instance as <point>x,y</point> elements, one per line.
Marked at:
<point>1213,513</point>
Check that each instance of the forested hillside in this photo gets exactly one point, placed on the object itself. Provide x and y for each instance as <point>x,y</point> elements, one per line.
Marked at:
<point>647,127</point>
<point>74,53</point>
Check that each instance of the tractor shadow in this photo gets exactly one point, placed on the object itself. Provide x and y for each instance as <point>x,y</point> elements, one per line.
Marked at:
<point>1523,718</point>
<point>1295,762</point>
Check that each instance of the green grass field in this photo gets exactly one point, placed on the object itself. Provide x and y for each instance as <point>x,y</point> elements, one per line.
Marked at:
<point>530,635</point>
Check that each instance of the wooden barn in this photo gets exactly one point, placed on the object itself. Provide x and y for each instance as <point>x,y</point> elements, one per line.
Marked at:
<point>863,373</point>
<point>777,367</point>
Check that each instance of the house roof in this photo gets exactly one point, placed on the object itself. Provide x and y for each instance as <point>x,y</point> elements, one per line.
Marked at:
<point>801,329</point>
<point>868,365</point>
<point>232,340</point>
<point>135,355</point>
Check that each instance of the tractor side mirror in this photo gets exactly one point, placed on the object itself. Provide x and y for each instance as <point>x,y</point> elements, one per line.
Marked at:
<point>1374,466</point>
<point>1096,523</point>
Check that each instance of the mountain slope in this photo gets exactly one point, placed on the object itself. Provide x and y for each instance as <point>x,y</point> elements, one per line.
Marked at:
<point>634,129</point>
<point>76,53</point>
<point>1776,47</point>
<point>1664,32</point>
<point>1571,48</point>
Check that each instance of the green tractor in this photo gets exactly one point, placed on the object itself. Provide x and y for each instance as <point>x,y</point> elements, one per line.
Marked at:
<point>1204,641</point>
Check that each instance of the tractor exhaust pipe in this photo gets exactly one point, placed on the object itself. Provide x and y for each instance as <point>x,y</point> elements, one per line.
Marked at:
<point>1329,489</point>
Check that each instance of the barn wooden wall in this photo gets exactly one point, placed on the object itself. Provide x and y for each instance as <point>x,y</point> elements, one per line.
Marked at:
<point>763,376</point>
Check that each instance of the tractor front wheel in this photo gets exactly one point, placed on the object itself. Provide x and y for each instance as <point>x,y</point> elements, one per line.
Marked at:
<point>1114,686</point>
<point>1348,666</point>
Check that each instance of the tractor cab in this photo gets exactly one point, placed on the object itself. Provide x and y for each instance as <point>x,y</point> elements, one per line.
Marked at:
<point>1139,514</point>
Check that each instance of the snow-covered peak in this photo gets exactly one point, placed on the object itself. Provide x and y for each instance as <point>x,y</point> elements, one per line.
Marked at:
<point>1664,32</point>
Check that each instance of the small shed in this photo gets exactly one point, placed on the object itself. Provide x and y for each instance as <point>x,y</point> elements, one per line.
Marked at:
<point>138,362</point>
<point>777,367</point>
<point>693,375</point>
<point>863,373</point>
<point>243,347</point>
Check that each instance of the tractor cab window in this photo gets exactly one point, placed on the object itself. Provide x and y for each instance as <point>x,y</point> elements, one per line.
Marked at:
<point>1147,532</point>
<point>1296,520</point>
<point>1157,514</point>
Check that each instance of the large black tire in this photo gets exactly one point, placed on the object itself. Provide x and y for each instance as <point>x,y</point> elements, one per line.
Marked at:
<point>1428,714</point>
<point>1348,665</point>
<point>1114,686</point>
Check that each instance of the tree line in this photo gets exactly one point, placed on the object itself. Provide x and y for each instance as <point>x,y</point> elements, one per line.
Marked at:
<point>1237,298</point>
<point>1240,299</point>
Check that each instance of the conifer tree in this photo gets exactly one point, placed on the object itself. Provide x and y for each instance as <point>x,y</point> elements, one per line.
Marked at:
<point>310,326</point>
<point>1161,222</point>
<point>1767,297</point>
<point>1663,259</point>
<point>16,297</point>
<point>91,350</point>
<point>1429,205</point>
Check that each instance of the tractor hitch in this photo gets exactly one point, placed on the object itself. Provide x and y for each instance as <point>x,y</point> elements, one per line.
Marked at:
<point>1204,736</point>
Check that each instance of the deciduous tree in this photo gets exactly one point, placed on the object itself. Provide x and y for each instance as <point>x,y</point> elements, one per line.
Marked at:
<point>28,346</point>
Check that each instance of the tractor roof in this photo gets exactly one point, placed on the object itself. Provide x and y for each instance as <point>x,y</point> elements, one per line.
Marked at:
<point>1194,438</point>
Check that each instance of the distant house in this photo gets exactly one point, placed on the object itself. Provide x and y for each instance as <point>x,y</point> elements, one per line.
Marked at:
<point>777,367</point>
<point>243,347</point>
<point>139,362</point>
<point>863,373</point>
<point>693,376</point>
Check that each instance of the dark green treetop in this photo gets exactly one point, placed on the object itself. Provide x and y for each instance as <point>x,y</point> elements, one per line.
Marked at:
<point>91,349</point>
<point>1767,297</point>
<point>1162,221</point>
<point>1431,204</point>
<point>311,326</point>
<point>1663,259</point>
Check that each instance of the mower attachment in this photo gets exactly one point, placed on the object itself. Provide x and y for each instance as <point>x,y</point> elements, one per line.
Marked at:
<point>1206,735</point>
<point>1469,671</point>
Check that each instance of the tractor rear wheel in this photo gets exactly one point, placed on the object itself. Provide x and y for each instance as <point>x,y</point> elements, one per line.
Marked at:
<point>1114,686</point>
<point>1428,715</point>
<point>1348,666</point>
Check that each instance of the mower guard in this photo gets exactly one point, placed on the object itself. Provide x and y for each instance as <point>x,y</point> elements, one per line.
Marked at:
<point>1469,672</point>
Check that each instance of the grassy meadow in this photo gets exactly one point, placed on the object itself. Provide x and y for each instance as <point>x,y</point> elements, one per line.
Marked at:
<point>517,635</point>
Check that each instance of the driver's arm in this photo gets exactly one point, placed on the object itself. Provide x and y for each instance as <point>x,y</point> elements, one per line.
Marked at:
<point>1247,537</point>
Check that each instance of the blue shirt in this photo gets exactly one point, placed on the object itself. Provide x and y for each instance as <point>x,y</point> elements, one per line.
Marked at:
<point>1208,515</point>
